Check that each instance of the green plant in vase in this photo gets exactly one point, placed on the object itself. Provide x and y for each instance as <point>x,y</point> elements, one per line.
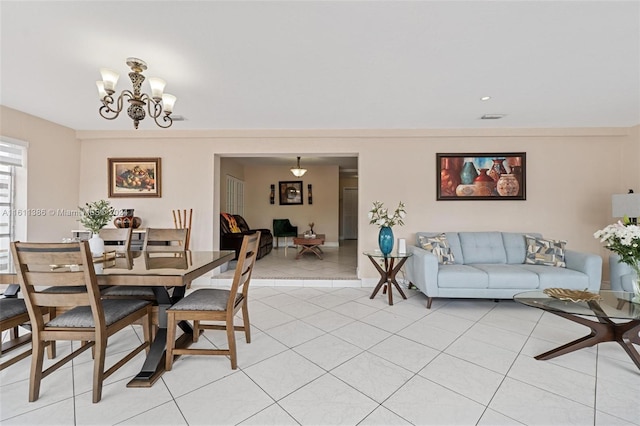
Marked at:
<point>94,216</point>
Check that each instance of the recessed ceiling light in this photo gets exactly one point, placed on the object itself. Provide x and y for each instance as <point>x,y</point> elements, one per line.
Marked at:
<point>485,98</point>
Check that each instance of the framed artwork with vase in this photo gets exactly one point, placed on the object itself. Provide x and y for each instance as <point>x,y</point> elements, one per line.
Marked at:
<point>134,177</point>
<point>496,176</point>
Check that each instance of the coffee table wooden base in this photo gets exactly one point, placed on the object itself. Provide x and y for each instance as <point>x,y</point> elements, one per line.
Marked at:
<point>309,245</point>
<point>605,330</point>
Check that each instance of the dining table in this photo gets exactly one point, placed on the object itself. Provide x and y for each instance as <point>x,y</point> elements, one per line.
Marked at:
<point>168,273</point>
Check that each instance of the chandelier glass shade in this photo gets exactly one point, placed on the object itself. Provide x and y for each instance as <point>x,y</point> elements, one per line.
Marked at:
<point>298,171</point>
<point>157,105</point>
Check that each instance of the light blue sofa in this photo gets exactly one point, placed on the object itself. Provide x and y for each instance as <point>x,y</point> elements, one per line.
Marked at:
<point>492,265</point>
<point>620,274</point>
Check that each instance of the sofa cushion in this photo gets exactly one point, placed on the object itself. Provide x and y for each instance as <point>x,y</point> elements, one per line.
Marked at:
<point>462,276</point>
<point>515,245</point>
<point>482,247</point>
<point>439,246</point>
<point>551,277</point>
<point>542,251</point>
<point>509,276</point>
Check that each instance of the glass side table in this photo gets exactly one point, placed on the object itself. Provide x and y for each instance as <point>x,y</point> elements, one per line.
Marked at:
<point>392,264</point>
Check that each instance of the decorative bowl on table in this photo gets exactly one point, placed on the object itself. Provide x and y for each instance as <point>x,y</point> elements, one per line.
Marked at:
<point>571,295</point>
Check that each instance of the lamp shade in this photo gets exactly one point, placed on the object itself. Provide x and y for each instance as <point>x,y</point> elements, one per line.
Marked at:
<point>168,101</point>
<point>157,87</point>
<point>625,205</point>
<point>298,171</point>
<point>110,79</point>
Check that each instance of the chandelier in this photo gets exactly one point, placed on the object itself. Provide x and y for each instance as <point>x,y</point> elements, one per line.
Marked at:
<point>157,104</point>
<point>297,171</point>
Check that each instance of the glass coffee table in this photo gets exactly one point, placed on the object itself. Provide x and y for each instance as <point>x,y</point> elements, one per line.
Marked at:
<point>611,318</point>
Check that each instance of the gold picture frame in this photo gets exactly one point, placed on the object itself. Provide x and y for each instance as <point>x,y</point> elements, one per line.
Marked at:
<point>134,177</point>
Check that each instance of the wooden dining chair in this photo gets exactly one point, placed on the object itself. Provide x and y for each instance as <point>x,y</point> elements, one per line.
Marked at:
<point>118,239</point>
<point>216,305</point>
<point>156,240</point>
<point>161,239</point>
<point>182,220</point>
<point>89,319</point>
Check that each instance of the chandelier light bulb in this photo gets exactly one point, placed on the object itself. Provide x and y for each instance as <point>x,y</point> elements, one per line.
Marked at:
<point>157,87</point>
<point>101,92</point>
<point>110,79</point>
<point>168,101</point>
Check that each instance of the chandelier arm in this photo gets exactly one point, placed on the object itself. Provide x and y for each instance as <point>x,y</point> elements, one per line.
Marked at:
<point>154,111</point>
<point>106,108</point>
<point>166,118</point>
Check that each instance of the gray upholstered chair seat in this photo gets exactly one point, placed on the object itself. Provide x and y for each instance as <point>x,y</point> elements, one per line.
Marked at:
<point>81,316</point>
<point>129,291</point>
<point>10,307</point>
<point>209,299</point>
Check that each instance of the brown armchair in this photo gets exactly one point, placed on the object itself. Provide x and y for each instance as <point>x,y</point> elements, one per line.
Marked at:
<point>233,228</point>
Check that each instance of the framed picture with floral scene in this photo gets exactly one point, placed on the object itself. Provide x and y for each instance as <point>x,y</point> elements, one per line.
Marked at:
<point>481,176</point>
<point>290,192</point>
<point>134,177</point>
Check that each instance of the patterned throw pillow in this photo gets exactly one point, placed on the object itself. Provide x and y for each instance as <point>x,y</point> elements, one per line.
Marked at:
<point>439,246</point>
<point>233,225</point>
<point>541,251</point>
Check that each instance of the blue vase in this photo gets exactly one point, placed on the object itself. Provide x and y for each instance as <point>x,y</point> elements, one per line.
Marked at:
<point>468,173</point>
<point>385,239</point>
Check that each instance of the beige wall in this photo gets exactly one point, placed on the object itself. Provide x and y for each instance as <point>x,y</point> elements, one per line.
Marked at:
<point>52,172</point>
<point>571,174</point>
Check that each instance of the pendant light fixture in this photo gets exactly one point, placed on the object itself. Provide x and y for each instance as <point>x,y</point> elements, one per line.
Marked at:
<point>298,171</point>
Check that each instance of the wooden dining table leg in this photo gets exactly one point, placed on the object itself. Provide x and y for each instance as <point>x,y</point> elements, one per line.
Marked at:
<point>154,364</point>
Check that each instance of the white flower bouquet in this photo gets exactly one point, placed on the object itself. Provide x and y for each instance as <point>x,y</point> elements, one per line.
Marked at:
<point>624,240</point>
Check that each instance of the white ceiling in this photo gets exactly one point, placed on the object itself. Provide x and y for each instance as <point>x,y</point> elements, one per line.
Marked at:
<point>331,64</point>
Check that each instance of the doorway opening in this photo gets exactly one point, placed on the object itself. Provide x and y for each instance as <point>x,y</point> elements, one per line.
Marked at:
<point>330,176</point>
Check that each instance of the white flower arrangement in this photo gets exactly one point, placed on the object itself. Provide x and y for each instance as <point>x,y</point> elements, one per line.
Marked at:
<point>379,215</point>
<point>624,240</point>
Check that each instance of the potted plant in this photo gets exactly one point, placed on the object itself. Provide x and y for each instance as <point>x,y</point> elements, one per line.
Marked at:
<point>94,216</point>
<point>379,215</point>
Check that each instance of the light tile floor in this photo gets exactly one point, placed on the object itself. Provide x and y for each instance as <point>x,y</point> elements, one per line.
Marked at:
<point>280,267</point>
<point>324,356</point>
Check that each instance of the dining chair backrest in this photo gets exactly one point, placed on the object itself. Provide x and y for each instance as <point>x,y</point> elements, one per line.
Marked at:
<point>161,239</point>
<point>118,239</point>
<point>65,267</point>
<point>41,265</point>
<point>244,268</point>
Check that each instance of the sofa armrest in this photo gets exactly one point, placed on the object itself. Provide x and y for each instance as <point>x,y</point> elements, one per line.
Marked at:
<point>422,270</point>
<point>587,263</point>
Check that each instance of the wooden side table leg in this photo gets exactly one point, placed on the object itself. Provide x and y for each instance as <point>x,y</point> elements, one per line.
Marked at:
<point>394,272</point>
<point>383,277</point>
<point>388,266</point>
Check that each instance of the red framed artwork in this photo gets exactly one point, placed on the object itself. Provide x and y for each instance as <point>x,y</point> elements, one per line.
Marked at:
<point>481,176</point>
